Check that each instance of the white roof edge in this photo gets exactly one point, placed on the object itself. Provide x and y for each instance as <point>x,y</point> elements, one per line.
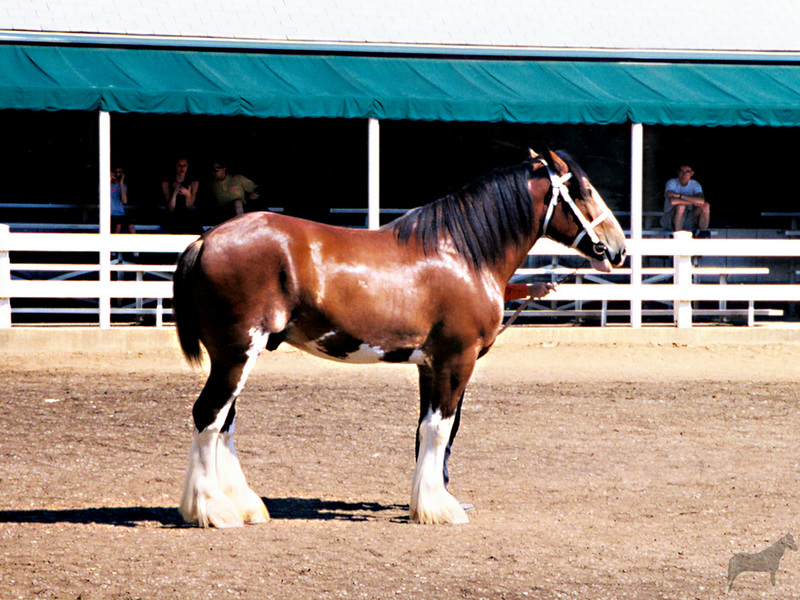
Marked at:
<point>209,43</point>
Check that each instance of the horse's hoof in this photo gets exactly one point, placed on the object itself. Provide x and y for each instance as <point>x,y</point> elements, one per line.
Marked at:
<point>212,511</point>
<point>248,504</point>
<point>443,509</point>
<point>450,518</point>
<point>223,516</point>
<point>256,514</point>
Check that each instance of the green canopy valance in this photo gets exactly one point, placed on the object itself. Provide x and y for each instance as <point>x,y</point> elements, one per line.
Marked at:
<point>116,79</point>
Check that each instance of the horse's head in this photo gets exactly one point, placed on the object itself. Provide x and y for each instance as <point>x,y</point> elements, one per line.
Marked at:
<point>788,541</point>
<point>577,216</point>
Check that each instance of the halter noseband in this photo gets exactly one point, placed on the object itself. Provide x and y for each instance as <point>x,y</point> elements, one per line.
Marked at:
<point>559,190</point>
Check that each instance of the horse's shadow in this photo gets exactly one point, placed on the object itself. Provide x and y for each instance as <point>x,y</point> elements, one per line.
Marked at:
<point>308,509</point>
<point>121,516</point>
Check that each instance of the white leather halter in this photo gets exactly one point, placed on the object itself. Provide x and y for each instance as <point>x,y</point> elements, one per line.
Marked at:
<point>561,192</point>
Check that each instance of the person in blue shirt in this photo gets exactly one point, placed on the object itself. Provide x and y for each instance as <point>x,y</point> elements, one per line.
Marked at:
<point>685,204</point>
<point>119,198</point>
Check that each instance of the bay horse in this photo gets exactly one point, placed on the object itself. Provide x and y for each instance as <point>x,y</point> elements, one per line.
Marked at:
<point>426,289</point>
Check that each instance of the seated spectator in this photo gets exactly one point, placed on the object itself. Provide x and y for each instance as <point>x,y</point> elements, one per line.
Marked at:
<point>229,193</point>
<point>119,198</point>
<point>180,194</point>
<point>685,204</point>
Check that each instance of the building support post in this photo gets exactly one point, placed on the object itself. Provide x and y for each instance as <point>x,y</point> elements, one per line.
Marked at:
<point>637,163</point>
<point>104,301</point>
<point>374,166</point>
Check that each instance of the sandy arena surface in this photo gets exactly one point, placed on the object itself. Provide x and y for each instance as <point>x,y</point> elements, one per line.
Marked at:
<point>597,471</point>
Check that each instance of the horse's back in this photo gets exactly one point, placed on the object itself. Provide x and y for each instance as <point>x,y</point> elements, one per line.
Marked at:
<point>756,562</point>
<point>263,234</point>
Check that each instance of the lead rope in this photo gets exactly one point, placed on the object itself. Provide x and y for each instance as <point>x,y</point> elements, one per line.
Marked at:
<point>529,299</point>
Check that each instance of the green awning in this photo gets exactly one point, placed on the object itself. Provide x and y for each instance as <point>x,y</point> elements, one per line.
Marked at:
<point>397,87</point>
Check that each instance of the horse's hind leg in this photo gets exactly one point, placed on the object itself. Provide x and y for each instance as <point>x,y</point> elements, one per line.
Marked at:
<point>734,568</point>
<point>215,492</point>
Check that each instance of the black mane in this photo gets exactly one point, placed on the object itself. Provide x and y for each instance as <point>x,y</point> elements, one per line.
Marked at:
<point>482,220</point>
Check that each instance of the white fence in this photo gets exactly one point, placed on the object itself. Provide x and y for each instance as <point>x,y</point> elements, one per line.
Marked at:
<point>681,283</point>
<point>55,274</point>
<point>677,285</point>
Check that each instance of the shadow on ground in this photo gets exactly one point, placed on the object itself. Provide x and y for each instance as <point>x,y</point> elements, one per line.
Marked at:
<point>279,509</point>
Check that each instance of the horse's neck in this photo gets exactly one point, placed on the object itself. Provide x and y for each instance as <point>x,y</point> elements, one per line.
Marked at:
<point>538,224</point>
<point>776,550</point>
<point>515,258</point>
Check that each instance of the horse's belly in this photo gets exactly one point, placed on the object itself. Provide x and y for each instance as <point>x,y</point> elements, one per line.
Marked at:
<point>345,348</point>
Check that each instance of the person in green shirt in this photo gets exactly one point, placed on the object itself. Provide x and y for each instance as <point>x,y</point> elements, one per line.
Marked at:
<point>229,193</point>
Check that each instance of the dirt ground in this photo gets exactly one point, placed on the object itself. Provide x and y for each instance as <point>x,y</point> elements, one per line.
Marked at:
<point>597,471</point>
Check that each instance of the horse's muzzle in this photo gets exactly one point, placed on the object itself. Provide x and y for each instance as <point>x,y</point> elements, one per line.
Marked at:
<point>605,258</point>
<point>617,258</point>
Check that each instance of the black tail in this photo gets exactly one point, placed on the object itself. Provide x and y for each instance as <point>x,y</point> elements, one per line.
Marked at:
<point>183,309</point>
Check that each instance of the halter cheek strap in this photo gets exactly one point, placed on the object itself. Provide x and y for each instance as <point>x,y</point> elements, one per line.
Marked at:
<point>556,183</point>
<point>560,191</point>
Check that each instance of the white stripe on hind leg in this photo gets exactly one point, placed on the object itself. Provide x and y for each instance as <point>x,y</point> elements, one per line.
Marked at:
<point>215,492</point>
<point>430,501</point>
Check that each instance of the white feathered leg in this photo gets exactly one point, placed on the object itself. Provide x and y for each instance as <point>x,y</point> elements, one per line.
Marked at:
<point>430,501</point>
<point>233,483</point>
<point>203,501</point>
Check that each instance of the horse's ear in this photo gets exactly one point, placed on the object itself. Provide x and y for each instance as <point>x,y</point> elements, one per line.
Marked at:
<point>558,164</point>
<point>537,160</point>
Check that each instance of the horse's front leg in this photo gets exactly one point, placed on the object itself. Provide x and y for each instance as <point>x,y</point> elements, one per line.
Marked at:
<point>215,492</point>
<point>449,448</point>
<point>440,391</point>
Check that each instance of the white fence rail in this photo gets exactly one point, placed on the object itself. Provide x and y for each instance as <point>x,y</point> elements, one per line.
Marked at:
<point>685,287</point>
<point>679,284</point>
<point>100,286</point>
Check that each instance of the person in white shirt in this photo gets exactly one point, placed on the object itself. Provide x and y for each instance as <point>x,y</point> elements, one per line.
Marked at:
<point>684,203</point>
